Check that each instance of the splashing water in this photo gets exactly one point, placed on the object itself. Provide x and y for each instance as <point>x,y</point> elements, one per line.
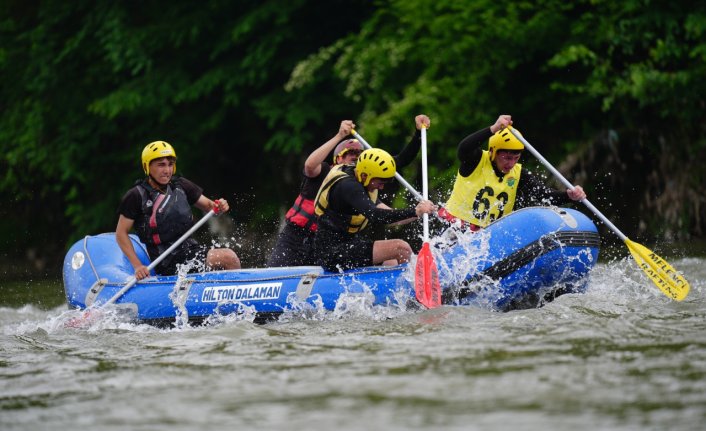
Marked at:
<point>620,356</point>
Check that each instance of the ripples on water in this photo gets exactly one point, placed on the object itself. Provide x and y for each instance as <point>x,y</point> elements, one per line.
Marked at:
<point>622,356</point>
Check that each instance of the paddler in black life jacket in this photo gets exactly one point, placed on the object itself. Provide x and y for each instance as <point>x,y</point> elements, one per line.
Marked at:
<point>347,203</point>
<point>491,184</point>
<point>294,241</point>
<point>159,208</point>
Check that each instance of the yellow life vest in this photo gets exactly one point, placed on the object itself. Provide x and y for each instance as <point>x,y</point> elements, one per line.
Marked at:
<point>351,223</point>
<point>481,198</point>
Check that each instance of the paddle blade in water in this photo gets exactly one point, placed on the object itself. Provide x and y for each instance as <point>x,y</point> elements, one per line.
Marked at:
<point>426,279</point>
<point>87,318</point>
<point>662,274</point>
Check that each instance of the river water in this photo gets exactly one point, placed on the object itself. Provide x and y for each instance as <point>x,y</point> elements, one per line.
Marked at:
<point>621,356</point>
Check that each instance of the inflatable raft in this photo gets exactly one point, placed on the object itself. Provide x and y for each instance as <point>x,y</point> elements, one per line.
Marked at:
<point>520,261</point>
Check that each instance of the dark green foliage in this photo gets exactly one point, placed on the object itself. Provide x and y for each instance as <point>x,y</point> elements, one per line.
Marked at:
<point>245,90</point>
<point>91,83</point>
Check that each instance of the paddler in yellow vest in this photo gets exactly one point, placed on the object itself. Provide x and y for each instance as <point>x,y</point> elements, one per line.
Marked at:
<point>294,240</point>
<point>490,184</point>
<point>347,203</point>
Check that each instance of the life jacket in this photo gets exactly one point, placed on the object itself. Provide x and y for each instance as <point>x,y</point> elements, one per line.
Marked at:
<point>302,213</point>
<point>166,216</point>
<point>443,214</point>
<point>350,223</point>
<point>483,197</point>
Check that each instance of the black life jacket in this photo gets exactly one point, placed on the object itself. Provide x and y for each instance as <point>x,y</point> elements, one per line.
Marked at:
<point>166,216</point>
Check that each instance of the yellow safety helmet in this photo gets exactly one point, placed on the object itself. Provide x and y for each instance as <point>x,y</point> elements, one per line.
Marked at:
<point>504,140</point>
<point>375,163</point>
<point>157,150</point>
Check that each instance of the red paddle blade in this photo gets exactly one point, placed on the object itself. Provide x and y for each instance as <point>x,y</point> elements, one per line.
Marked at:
<point>426,279</point>
<point>87,318</point>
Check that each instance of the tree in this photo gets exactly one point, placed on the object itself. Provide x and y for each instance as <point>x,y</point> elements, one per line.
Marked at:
<point>95,82</point>
<point>241,87</point>
<point>589,77</point>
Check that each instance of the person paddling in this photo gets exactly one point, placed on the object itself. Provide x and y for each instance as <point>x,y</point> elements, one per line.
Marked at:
<point>348,202</point>
<point>490,184</point>
<point>294,241</point>
<point>159,208</point>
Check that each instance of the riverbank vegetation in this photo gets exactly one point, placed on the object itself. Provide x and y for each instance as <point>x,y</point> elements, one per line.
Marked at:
<point>611,92</point>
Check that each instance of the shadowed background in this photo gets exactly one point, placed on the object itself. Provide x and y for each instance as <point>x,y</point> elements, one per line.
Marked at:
<point>612,93</point>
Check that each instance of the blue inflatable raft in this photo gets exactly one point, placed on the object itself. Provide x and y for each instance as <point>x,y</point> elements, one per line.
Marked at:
<point>520,261</point>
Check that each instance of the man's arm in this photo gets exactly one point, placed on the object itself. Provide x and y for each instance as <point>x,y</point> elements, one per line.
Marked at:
<point>312,165</point>
<point>469,149</point>
<point>531,191</point>
<point>205,204</point>
<point>356,200</point>
<point>122,231</point>
<point>409,152</point>
<point>422,207</point>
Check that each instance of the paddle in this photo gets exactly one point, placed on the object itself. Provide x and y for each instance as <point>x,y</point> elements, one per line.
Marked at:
<point>426,276</point>
<point>662,274</point>
<point>162,256</point>
<point>76,322</point>
<point>397,174</point>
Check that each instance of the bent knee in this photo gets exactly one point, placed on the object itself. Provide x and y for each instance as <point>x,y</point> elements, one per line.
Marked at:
<point>223,258</point>
<point>403,250</point>
<point>401,244</point>
<point>235,260</point>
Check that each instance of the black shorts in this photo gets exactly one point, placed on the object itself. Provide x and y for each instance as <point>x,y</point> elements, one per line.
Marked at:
<point>190,252</point>
<point>336,256</point>
<point>292,247</point>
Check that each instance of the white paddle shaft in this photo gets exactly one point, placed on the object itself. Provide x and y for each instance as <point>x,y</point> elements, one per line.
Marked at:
<point>161,257</point>
<point>397,174</point>
<point>425,181</point>
<point>566,182</point>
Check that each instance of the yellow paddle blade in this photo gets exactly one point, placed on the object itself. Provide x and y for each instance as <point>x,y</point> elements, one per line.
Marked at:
<point>662,274</point>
